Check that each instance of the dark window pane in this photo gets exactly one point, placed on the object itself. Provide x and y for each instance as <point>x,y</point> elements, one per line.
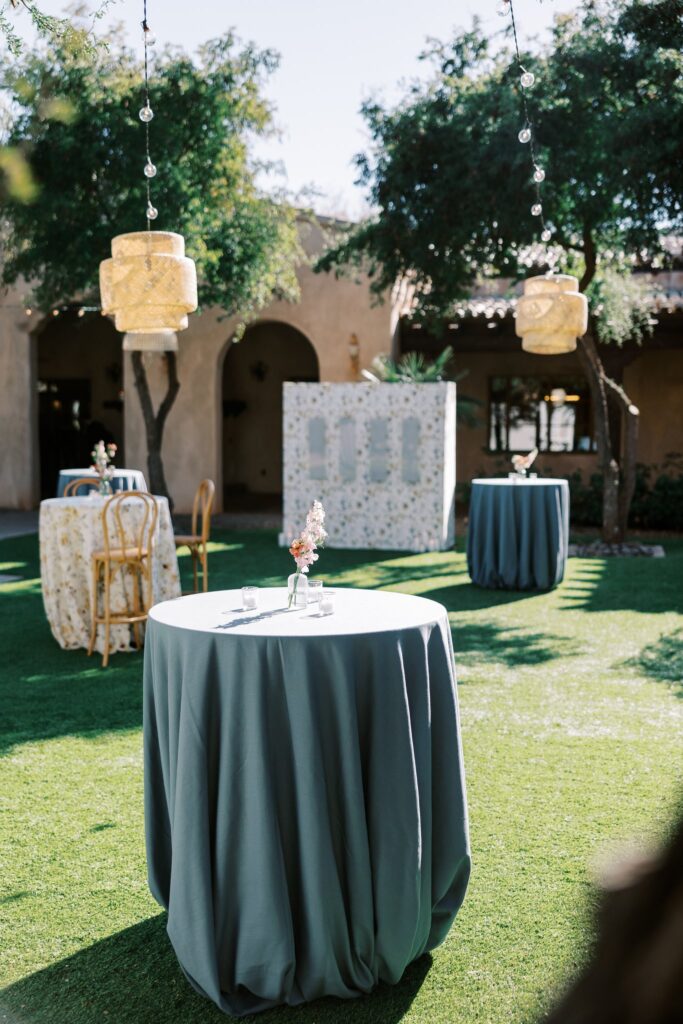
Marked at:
<point>552,414</point>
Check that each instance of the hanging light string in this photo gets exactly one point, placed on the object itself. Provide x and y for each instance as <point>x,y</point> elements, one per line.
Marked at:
<point>146,115</point>
<point>526,134</point>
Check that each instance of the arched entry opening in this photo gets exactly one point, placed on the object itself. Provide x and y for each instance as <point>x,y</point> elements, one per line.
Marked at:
<point>80,396</point>
<point>254,371</point>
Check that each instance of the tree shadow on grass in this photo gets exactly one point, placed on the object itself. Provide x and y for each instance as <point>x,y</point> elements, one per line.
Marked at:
<point>662,660</point>
<point>254,558</point>
<point>467,597</point>
<point>134,977</point>
<point>626,584</point>
<point>483,644</point>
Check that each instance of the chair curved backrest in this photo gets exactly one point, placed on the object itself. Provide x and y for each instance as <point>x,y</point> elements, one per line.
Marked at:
<point>131,528</point>
<point>202,507</point>
<point>73,487</point>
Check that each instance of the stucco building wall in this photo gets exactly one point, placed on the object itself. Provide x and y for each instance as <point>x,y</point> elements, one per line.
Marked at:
<point>18,404</point>
<point>654,382</point>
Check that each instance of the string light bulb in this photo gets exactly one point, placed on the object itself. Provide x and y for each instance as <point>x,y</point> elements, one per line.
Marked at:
<point>146,114</point>
<point>152,212</point>
<point>546,235</point>
<point>149,170</point>
<point>526,136</point>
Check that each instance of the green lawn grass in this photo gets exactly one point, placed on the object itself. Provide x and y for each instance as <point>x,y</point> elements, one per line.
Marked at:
<point>571,709</point>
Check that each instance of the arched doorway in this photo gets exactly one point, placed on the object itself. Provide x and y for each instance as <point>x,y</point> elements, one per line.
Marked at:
<point>80,396</point>
<point>254,371</point>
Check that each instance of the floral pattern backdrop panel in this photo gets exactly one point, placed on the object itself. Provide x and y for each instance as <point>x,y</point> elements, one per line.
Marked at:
<point>381,459</point>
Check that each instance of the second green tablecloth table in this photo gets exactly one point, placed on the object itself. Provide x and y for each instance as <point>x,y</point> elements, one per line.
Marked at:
<point>122,480</point>
<point>304,791</point>
<point>518,533</point>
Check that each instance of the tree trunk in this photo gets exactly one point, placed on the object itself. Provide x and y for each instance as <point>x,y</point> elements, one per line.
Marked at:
<point>618,468</point>
<point>630,418</point>
<point>609,467</point>
<point>155,422</point>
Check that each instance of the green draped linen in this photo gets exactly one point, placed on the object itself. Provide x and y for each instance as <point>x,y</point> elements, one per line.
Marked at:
<point>518,533</point>
<point>305,810</point>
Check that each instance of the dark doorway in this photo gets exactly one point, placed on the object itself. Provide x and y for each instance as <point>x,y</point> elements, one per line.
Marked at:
<point>80,397</point>
<point>253,374</point>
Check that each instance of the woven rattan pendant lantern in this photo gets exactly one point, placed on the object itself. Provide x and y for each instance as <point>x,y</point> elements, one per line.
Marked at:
<point>149,285</point>
<point>551,314</point>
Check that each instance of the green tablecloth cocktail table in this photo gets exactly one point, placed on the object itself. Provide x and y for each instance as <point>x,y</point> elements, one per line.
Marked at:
<point>122,480</point>
<point>305,806</point>
<point>518,533</point>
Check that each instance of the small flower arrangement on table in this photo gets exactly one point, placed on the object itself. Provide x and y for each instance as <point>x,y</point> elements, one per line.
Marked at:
<point>102,464</point>
<point>522,463</point>
<point>304,553</point>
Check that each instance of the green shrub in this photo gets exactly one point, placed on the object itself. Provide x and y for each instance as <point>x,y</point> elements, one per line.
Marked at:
<point>585,500</point>
<point>655,506</point>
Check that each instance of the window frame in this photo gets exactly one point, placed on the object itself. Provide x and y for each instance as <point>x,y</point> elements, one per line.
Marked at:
<point>547,383</point>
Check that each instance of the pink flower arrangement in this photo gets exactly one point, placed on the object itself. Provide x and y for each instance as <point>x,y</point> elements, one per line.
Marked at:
<point>522,463</point>
<point>102,464</point>
<point>303,549</point>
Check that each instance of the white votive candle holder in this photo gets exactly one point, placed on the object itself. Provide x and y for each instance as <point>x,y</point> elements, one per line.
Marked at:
<point>315,591</point>
<point>249,598</point>
<point>327,602</point>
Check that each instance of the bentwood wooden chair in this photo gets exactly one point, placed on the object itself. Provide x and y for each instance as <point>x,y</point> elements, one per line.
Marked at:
<point>198,539</point>
<point>129,522</point>
<point>72,488</point>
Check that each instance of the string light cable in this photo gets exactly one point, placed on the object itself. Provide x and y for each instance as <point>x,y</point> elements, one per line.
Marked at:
<point>526,133</point>
<point>146,114</point>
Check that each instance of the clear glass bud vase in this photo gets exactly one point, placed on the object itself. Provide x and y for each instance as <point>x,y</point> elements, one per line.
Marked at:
<point>297,588</point>
<point>104,486</point>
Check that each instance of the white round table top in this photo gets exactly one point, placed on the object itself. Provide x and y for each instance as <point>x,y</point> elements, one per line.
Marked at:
<point>356,612</point>
<point>523,481</point>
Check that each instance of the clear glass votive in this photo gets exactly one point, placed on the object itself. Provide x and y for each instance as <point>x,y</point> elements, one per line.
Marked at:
<point>327,602</point>
<point>315,591</point>
<point>249,598</point>
<point>533,476</point>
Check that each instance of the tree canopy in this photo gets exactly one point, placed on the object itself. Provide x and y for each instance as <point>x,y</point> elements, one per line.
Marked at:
<point>73,115</point>
<point>452,183</point>
<point>453,187</point>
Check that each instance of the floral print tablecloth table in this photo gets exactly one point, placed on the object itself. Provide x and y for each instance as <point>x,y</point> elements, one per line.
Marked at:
<point>70,531</point>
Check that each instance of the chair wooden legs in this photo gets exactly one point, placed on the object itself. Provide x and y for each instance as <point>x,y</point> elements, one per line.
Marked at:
<point>193,552</point>
<point>107,615</point>
<point>137,583</point>
<point>205,567</point>
<point>93,611</point>
<point>200,559</point>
